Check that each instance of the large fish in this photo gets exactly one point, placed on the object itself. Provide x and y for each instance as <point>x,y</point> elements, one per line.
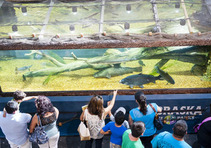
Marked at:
<point>116,71</point>
<point>139,80</point>
<point>165,75</point>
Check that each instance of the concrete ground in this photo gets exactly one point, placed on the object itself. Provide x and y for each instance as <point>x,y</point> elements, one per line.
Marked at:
<point>74,142</point>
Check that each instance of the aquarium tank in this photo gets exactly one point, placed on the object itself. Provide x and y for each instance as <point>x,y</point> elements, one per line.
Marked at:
<point>85,45</point>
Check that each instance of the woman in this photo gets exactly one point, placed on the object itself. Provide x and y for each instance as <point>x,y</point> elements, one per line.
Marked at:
<point>146,114</point>
<point>94,115</point>
<point>48,115</point>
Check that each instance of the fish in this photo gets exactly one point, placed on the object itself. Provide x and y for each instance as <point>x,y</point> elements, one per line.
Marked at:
<point>22,68</point>
<point>165,75</point>
<point>139,80</point>
<point>116,71</point>
<point>141,63</point>
<point>160,64</point>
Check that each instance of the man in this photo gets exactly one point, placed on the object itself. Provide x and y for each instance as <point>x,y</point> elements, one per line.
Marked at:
<point>175,140</point>
<point>19,96</point>
<point>130,138</point>
<point>14,126</point>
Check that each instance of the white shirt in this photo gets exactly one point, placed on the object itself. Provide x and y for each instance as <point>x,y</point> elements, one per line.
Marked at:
<point>95,124</point>
<point>14,127</point>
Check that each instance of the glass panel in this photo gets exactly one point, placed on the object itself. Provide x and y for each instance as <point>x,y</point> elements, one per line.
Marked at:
<point>105,69</point>
<point>90,17</point>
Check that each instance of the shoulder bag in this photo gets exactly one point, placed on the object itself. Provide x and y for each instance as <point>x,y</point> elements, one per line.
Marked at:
<point>197,126</point>
<point>83,130</point>
<point>39,136</point>
<point>157,121</point>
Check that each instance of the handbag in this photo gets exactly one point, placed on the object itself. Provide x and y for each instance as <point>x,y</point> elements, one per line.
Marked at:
<point>39,136</point>
<point>197,126</point>
<point>157,121</point>
<point>84,131</point>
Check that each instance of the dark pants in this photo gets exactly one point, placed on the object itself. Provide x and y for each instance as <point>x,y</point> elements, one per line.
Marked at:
<point>196,144</point>
<point>98,143</point>
<point>146,141</point>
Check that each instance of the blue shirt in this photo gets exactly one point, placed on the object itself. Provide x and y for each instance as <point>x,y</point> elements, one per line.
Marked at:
<point>116,132</point>
<point>166,140</point>
<point>148,119</point>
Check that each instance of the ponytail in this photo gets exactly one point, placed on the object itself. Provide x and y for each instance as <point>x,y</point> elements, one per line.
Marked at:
<point>141,99</point>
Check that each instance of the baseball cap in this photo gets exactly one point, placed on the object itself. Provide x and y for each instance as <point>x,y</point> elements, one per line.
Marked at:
<point>182,123</point>
<point>122,109</point>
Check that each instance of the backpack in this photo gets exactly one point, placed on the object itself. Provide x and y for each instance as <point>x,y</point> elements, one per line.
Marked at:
<point>197,126</point>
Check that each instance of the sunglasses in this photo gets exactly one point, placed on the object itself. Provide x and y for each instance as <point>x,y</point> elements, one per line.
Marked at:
<point>99,97</point>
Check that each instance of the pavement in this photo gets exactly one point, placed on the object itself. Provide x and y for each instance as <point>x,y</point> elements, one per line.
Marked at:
<point>74,142</point>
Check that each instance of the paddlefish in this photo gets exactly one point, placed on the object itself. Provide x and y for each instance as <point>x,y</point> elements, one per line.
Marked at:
<point>165,75</point>
<point>139,80</point>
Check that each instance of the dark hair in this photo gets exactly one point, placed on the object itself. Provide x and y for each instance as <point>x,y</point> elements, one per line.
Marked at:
<point>44,105</point>
<point>119,118</point>
<point>180,128</point>
<point>95,106</point>
<point>137,129</point>
<point>19,95</point>
<point>11,107</point>
<point>141,99</point>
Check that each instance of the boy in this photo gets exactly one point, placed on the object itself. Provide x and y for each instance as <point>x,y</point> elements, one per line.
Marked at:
<point>116,128</point>
<point>19,96</point>
<point>125,123</point>
<point>130,138</point>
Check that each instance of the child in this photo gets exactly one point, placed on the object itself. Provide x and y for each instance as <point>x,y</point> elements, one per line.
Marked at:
<point>130,138</point>
<point>125,123</point>
<point>19,96</point>
<point>116,128</point>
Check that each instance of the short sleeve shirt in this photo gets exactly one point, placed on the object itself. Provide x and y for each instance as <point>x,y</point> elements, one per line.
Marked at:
<point>148,119</point>
<point>166,140</point>
<point>116,132</point>
<point>14,127</point>
<point>127,143</point>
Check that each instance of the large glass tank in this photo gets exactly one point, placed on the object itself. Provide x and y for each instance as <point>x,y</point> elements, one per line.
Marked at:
<point>105,69</point>
<point>32,25</point>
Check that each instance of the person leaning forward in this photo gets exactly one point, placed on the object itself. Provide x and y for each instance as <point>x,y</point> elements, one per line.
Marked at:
<point>14,126</point>
<point>175,140</point>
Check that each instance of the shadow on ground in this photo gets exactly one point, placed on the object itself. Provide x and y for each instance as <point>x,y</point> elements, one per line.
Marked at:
<point>74,142</point>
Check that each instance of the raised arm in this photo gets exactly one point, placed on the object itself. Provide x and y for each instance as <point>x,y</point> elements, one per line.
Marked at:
<point>4,112</point>
<point>159,109</point>
<point>110,106</point>
<point>29,98</point>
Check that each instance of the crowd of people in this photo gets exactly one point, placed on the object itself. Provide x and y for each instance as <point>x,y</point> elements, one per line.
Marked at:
<point>138,132</point>
<point>14,124</point>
